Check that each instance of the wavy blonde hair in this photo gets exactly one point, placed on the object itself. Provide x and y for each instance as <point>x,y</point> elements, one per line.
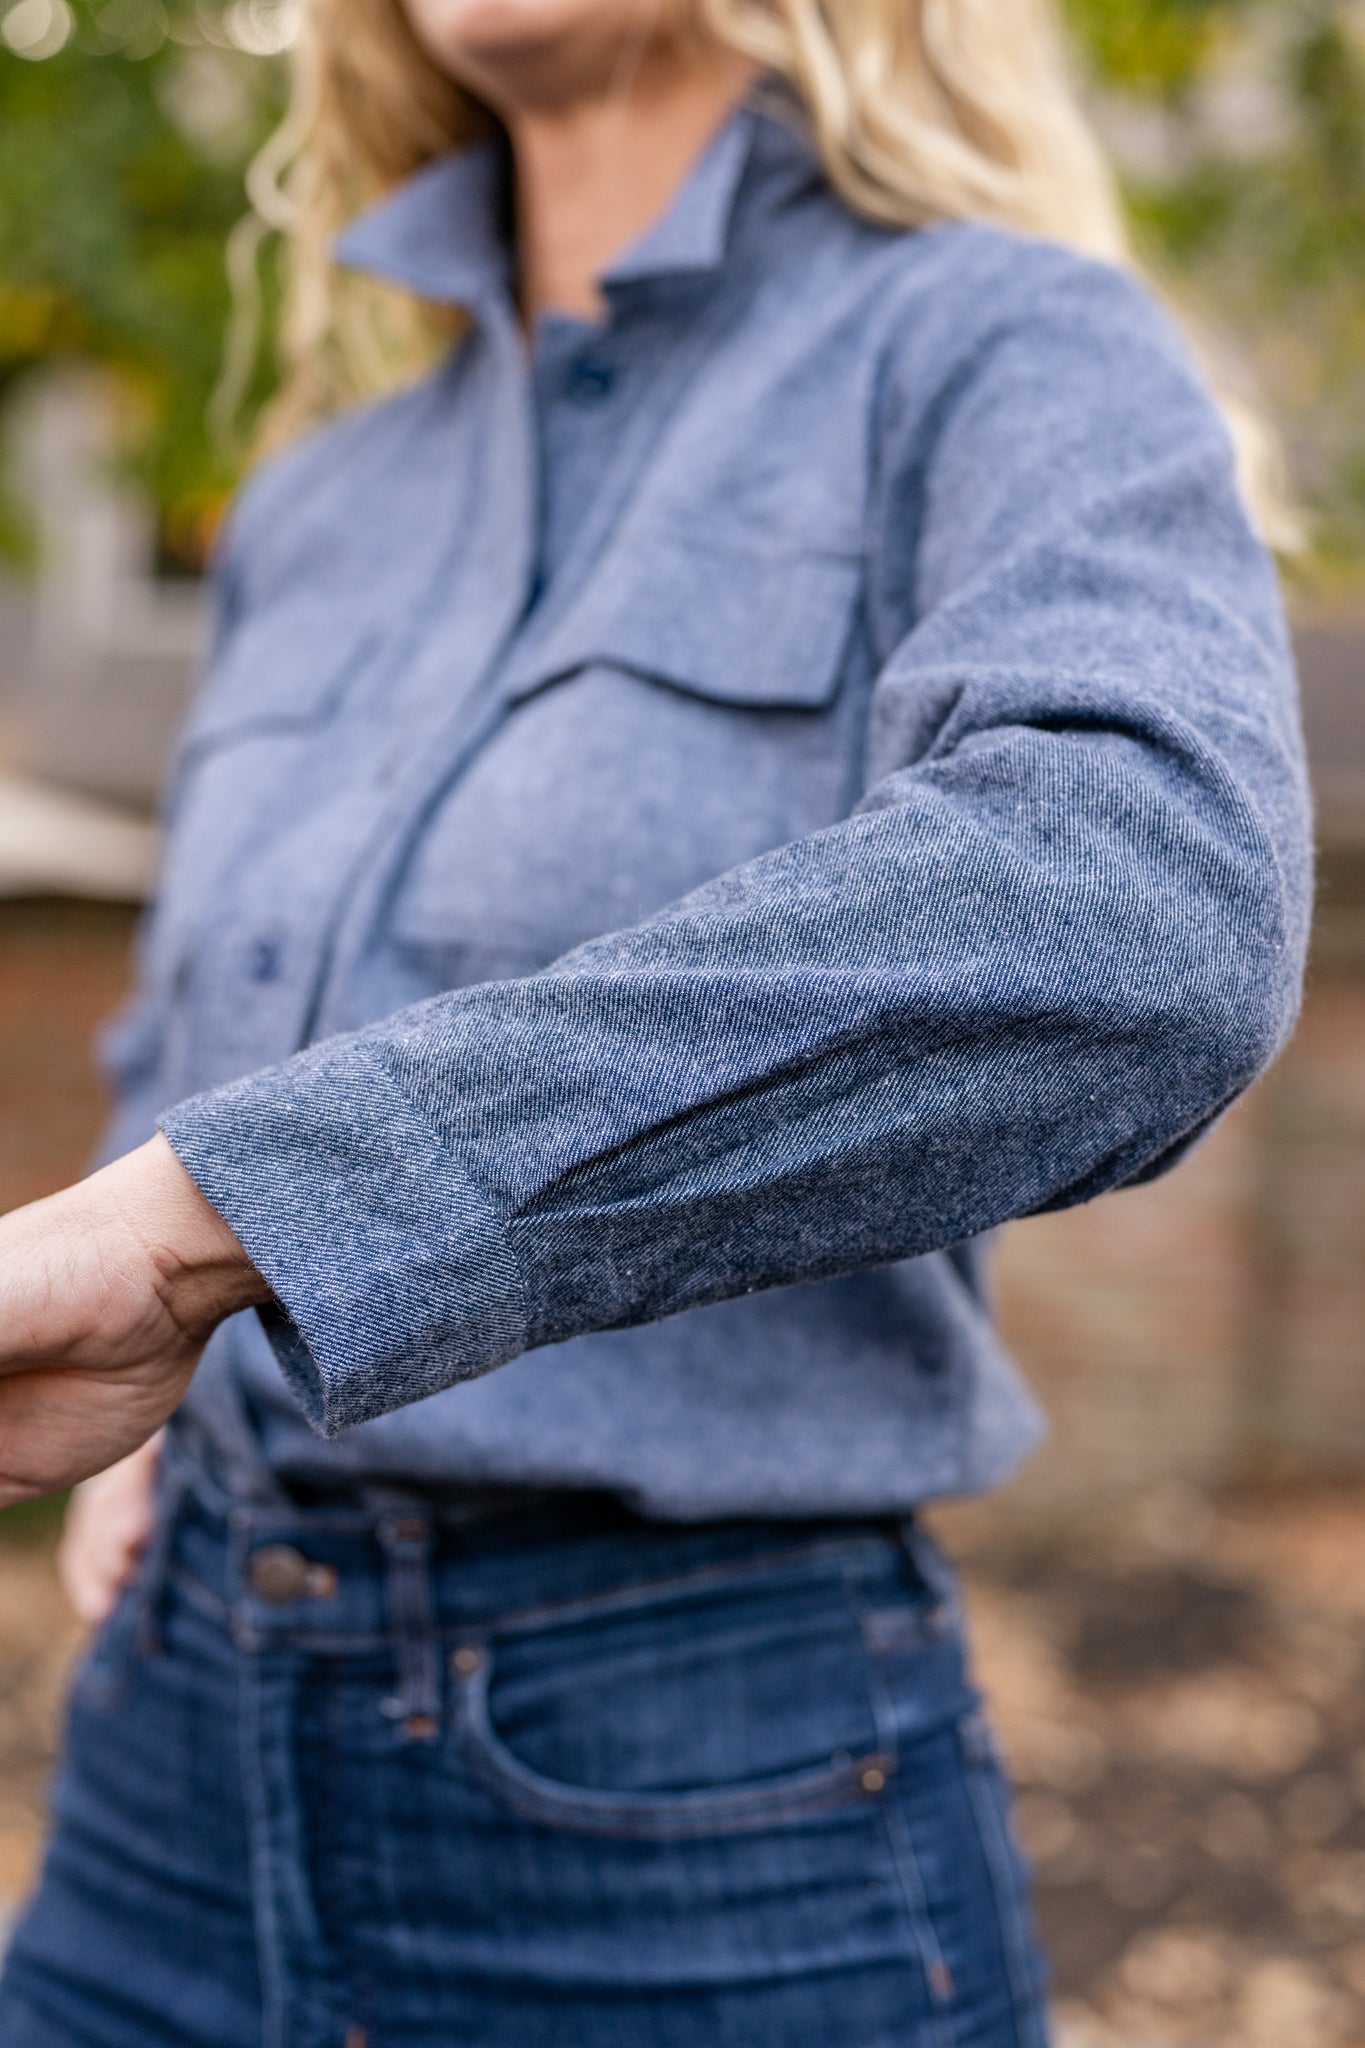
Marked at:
<point>922,110</point>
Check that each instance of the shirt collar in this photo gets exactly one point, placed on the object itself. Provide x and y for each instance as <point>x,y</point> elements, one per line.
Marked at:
<point>441,233</point>
<point>692,231</point>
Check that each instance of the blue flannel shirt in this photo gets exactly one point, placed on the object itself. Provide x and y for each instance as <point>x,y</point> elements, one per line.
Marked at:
<point>688,826</point>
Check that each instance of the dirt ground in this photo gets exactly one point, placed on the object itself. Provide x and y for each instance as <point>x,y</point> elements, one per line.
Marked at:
<point>1180,1696</point>
<point>1182,1702</point>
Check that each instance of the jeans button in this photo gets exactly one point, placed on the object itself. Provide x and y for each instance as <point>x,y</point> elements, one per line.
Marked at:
<point>278,1574</point>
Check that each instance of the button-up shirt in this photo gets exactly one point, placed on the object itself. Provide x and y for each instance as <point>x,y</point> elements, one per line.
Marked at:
<point>692,821</point>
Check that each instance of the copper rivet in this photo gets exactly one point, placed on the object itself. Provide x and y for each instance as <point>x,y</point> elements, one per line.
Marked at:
<point>873,1779</point>
<point>322,1582</point>
<point>277,1573</point>
<point>467,1659</point>
<point>420,1728</point>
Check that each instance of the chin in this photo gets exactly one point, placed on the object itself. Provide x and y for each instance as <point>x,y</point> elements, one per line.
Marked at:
<point>497,45</point>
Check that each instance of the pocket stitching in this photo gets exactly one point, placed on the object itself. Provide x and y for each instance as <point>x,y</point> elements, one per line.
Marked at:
<point>837,1550</point>
<point>657,1817</point>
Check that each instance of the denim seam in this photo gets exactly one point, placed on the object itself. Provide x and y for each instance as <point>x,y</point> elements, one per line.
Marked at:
<point>268,1929</point>
<point>270,1632</point>
<point>351,1981</point>
<point>1029,2031</point>
<point>259,1637</point>
<point>914,1895</point>
<point>633,1593</point>
<point>209,1605</point>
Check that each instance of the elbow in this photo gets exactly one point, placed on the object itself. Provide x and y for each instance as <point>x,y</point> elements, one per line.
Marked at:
<point>1233,998</point>
<point>1232,893</point>
<point>1219,1008</point>
<point>1254,1014</point>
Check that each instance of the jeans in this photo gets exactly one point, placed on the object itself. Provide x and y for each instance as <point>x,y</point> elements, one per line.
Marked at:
<point>552,1778</point>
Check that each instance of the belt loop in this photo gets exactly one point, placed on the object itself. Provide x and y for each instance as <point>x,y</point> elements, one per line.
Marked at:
<point>154,1567</point>
<point>416,1706</point>
<point>932,1569</point>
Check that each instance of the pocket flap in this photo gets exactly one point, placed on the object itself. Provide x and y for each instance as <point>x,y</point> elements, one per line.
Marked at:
<point>730,618</point>
<point>276,673</point>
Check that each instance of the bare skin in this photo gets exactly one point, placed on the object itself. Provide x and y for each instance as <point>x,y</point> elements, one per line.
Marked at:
<point>607,104</point>
<point>110,1290</point>
<point>108,1293</point>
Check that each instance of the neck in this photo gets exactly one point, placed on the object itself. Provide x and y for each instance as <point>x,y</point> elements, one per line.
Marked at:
<point>591,176</point>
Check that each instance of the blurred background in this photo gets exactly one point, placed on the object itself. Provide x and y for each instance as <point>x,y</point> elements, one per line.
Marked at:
<point>1170,1602</point>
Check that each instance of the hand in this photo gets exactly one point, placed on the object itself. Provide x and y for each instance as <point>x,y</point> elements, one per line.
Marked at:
<point>108,1521</point>
<point>109,1292</point>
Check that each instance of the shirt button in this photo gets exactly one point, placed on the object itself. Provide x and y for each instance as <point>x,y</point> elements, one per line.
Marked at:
<point>263,960</point>
<point>590,380</point>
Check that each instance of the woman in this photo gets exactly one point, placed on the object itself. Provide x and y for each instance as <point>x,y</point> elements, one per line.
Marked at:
<point>775,756</point>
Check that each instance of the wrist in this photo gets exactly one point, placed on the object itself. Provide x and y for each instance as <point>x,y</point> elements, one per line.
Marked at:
<point>202,1270</point>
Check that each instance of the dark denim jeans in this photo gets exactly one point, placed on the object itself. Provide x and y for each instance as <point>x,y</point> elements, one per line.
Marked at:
<point>549,1779</point>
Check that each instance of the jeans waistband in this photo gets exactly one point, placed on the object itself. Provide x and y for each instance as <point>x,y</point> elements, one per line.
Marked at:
<point>398,1577</point>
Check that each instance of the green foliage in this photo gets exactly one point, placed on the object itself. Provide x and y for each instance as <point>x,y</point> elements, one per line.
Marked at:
<point>34,1521</point>
<point>1151,46</point>
<point>121,159</point>
<point>1240,126</point>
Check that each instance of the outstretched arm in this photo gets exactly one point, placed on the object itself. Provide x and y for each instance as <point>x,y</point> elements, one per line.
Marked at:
<point>1064,927</point>
<point>1061,931</point>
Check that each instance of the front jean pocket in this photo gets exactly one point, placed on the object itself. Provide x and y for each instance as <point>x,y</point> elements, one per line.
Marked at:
<point>737,1705</point>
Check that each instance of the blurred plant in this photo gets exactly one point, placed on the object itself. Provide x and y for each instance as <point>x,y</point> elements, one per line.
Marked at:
<point>1240,128</point>
<point>124,128</point>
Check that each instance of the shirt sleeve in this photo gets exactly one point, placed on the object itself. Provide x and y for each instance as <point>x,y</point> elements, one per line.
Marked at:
<point>1063,928</point>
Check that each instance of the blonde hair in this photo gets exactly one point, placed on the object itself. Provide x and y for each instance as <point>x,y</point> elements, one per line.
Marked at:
<point>922,110</point>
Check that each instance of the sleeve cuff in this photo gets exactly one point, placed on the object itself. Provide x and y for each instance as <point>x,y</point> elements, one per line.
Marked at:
<point>391,1270</point>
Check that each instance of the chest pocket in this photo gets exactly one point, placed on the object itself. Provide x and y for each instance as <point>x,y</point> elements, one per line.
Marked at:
<point>685,716</point>
<point>252,756</point>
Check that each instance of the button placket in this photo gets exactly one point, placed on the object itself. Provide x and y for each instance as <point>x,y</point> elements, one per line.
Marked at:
<point>420,764</point>
<point>500,650</point>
